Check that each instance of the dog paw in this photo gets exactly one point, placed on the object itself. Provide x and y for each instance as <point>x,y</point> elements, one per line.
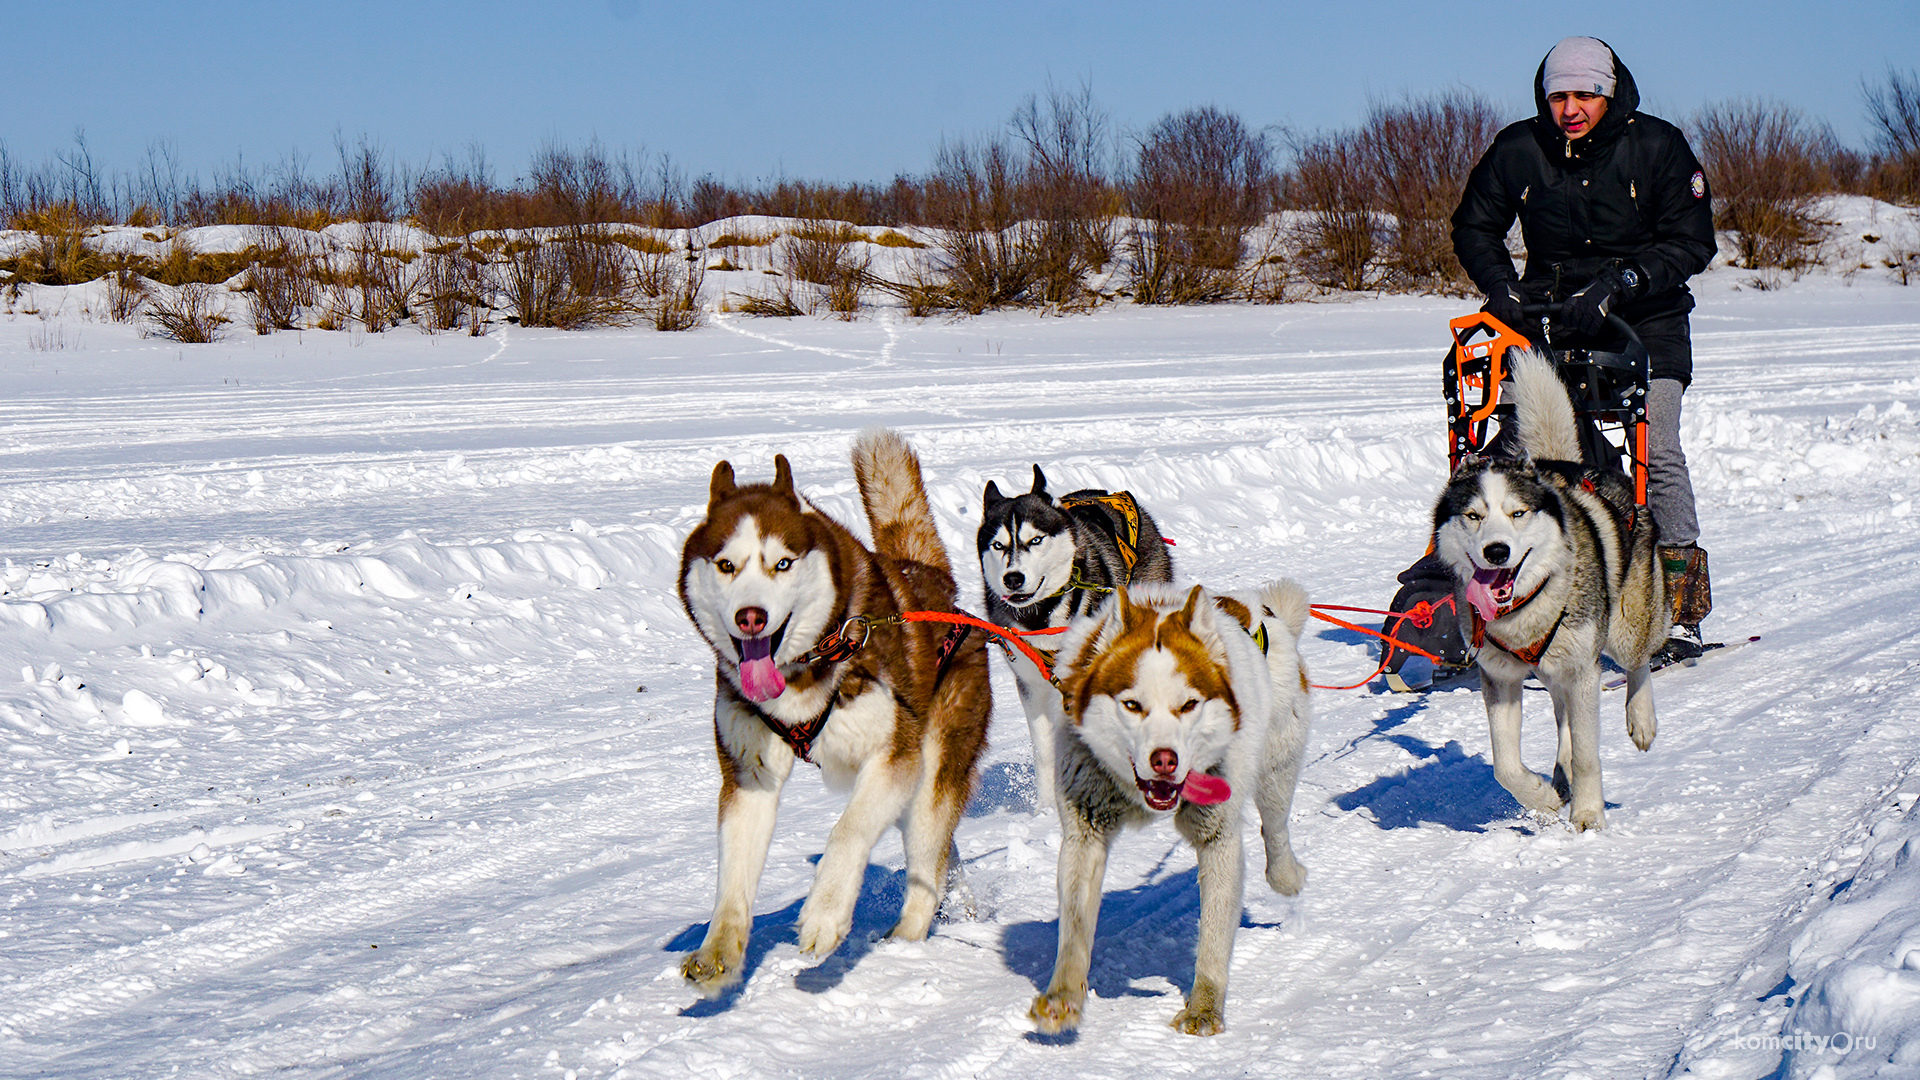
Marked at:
<point>1056,1012</point>
<point>1286,875</point>
<point>820,936</point>
<point>1594,818</point>
<point>710,972</point>
<point>1200,1018</point>
<point>1642,732</point>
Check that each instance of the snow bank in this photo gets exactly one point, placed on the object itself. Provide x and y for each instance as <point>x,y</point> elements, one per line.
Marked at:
<point>1856,967</point>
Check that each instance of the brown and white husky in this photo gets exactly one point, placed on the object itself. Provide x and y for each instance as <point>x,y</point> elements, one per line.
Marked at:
<point>899,723</point>
<point>1180,704</point>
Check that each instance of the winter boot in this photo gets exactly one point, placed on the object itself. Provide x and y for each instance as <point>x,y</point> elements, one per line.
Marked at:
<point>1691,595</point>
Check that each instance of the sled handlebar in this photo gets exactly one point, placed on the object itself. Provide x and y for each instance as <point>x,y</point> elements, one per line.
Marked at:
<point>1614,322</point>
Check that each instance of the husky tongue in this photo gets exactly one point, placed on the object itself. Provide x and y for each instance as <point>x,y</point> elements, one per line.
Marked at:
<point>760,677</point>
<point>1490,589</point>
<point>1205,789</point>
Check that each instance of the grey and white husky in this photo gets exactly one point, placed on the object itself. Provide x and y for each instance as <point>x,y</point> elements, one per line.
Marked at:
<point>1557,569</point>
<point>1045,561</point>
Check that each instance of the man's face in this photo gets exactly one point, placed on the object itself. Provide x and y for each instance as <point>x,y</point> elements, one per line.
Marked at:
<point>1576,112</point>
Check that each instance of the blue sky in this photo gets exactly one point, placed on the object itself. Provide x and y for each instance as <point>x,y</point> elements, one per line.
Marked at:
<point>750,90</point>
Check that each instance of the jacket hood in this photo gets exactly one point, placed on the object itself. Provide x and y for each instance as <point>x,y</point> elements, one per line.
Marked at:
<point>1620,108</point>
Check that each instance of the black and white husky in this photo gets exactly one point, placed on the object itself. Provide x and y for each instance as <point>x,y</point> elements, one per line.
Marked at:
<point>1046,561</point>
<point>1556,570</point>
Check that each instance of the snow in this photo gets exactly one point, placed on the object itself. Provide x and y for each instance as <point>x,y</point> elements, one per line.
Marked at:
<point>358,732</point>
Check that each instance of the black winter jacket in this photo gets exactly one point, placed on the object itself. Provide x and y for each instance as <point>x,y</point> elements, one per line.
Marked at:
<point>1630,191</point>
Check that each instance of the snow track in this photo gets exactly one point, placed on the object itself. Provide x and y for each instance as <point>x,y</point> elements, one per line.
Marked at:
<point>352,726</point>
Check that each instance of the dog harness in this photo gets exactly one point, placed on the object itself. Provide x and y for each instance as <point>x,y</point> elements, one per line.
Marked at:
<point>838,645</point>
<point>1121,503</point>
<point>1529,655</point>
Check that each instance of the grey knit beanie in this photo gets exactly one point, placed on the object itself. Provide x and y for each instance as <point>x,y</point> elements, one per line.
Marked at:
<point>1581,64</point>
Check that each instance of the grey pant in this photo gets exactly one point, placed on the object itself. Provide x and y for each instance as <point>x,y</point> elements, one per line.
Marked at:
<point>1669,487</point>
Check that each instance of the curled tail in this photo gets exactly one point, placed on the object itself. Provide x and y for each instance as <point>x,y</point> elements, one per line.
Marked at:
<point>888,473</point>
<point>1548,430</point>
<point>1287,600</point>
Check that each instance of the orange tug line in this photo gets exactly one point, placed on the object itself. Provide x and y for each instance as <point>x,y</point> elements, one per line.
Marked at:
<point>1017,638</point>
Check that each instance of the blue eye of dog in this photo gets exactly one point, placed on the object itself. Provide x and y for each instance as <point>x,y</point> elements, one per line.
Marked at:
<point>783,564</point>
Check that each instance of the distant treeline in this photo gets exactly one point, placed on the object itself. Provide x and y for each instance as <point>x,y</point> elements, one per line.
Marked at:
<point>1041,212</point>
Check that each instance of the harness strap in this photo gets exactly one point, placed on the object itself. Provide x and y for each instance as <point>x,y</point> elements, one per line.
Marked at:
<point>1529,655</point>
<point>798,737</point>
<point>1121,503</point>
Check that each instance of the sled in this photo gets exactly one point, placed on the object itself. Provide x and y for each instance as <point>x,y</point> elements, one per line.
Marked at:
<point>1608,388</point>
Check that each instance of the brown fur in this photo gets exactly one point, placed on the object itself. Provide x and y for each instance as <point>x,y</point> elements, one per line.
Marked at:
<point>935,735</point>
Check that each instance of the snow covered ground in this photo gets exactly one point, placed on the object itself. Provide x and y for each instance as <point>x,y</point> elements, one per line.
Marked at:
<point>352,727</point>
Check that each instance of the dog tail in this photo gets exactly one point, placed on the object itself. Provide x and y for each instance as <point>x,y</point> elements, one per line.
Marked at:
<point>1548,429</point>
<point>1288,602</point>
<point>888,472</point>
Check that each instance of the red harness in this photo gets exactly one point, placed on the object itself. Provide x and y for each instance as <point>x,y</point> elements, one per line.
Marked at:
<point>1529,655</point>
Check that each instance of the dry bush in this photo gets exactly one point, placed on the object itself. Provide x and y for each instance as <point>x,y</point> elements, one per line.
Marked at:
<point>1338,241</point>
<point>281,281</point>
<point>678,305</point>
<point>974,197</point>
<point>1893,112</point>
<point>1417,154</point>
<point>573,284</point>
<point>191,315</point>
<point>1765,160</point>
<point>59,253</point>
<point>833,256</point>
<point>1069,203</point>
<point>126,293</point>
<point>1201,181</point>
<point>450,287</point>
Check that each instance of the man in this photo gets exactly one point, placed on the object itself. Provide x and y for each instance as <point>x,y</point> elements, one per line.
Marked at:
<point>1616,217</point>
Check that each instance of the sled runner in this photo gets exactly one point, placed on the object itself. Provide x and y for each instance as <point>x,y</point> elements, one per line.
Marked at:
<point>1608,387</point>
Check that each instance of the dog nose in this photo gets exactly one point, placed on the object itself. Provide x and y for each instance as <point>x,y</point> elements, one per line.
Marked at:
<point>1164,762</point>
<point>1014,580</point>
<point>1497,553</point>
<point>750,620</point>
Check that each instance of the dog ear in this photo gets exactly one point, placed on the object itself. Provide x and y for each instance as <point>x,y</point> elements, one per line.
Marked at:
<point>1039,482</point>
<point>722,484</point>
<point>783,478</point>
<point>992,497</point>
<point>1187,609</point>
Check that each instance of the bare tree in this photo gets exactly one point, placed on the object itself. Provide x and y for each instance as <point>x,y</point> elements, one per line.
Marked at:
<point>1201,180</point>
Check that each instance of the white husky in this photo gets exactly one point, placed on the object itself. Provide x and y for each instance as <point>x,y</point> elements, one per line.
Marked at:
<point>1172,708</point>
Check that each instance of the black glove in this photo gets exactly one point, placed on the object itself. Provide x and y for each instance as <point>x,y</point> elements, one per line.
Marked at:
<point>1504,303</point>
<point>1586,311</point>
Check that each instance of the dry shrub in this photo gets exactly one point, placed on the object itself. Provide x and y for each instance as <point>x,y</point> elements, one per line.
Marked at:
<point>678,305</point>
<point>1893,112</point>
<point>571,284</point>
<point>59,253</point>
<point>191,315</point>
<point>984,261</point>
<point>126,293</point>
<point>1201,181</point>
<point>1765,160</point>
<point>450,287</point>
<point>821,253</point>
<point>281,281</point>
<point>1339,238</point>
<point>1067,202</point>
<point>1417,155</point>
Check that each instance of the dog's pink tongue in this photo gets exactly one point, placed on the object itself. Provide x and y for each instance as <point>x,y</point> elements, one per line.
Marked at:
<point>1205,789</point>
<point>1480,593</point>
<point>760,677</point>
